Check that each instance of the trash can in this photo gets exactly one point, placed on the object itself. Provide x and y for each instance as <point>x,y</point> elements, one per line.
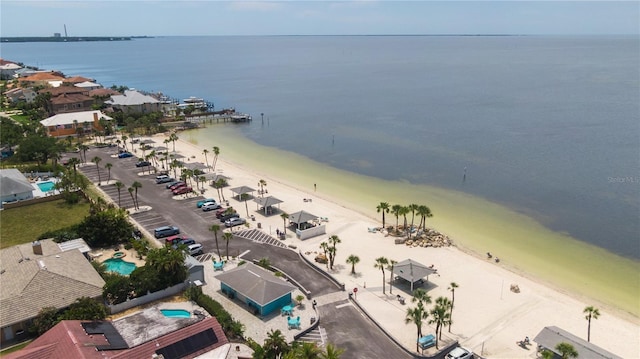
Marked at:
<point>313,320</point>
<point>259,225</point>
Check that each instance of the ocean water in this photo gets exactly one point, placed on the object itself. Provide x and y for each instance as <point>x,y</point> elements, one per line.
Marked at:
<point>546,126</point>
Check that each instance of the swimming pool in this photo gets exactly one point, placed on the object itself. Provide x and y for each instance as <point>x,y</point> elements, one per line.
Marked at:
<point>119,266</point>
<point>46,186</point>
<point>176,313</point>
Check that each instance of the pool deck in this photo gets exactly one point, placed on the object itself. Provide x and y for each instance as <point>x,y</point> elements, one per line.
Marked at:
<point>102,254</point>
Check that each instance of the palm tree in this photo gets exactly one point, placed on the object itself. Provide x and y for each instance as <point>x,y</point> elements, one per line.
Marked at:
<point>304,350</point>
<point>206,160</point>
<point>424,212</point>
<point>395,209</point>
<point>173,138</point>
<point>215,228</point>
<point>227,236</point>
<point>381,263</point>
<point>417,316</point>
<point>325,249</point>
<point>97,160</point>
<point>284,217</point>
<point>440,316</point>
<point>566,350</point>
<point>384,208</point>
<point>108,167</point>
<point>74,161</point>
<point>404,210</point>
<point>275,344</point>
<point>391,264</point>
<point>83,149</point>
<point>452,288</point>
<point>136,185</point>
<point>333,240</point>
<point>421,296</point>
<point>124,141</point>
<point>262,183</point>
<point>119,185</point>
<point>591,312</point>
<point>216,153</point>
<point>412,208</point>
<point>331,352</point>
<point>130,189</point>
<point>353,260</point>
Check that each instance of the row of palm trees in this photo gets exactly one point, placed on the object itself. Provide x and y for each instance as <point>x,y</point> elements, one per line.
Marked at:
<point>440,315</point>
<point>276,346</point>
<point>133,192</point>
<point>397,210</point>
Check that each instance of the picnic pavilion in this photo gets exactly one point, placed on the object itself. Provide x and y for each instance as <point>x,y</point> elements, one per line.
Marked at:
<point>412,271</point>
<point>265,204</point>
<point>307,225</point>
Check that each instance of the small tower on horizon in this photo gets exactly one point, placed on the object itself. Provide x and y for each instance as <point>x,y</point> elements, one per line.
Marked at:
<point>65,30</point>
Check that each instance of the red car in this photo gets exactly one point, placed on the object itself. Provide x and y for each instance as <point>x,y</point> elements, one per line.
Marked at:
<point>182,190</point>
<point>177,185</point>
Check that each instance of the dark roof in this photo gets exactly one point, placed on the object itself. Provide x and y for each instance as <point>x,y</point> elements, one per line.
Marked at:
<point>301,217</point>
<point>551,336</point>
<point>411,270</point>
<point>70,98</point>
<point>68,339</point>
<point>267,201</point>
<point>256,283</point>
<point>242,190</point>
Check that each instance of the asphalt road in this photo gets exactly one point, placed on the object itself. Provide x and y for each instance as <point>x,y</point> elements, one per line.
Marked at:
<point>346,326</point>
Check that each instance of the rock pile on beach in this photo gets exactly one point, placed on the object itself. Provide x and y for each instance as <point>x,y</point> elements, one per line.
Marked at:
<point>430,238</point>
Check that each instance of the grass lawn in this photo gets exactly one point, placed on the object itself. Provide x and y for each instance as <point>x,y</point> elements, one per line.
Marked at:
<point>25,224</point>
<point>14,348</point>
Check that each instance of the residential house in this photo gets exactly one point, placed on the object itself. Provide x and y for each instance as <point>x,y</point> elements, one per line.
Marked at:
<point>139,335</point>
<point>47,79</point>
<point>71,103</point>
<point>42,274</point>
<point>134,101</point>
<point>8,69</point>
<point>14,186</point>
<point>73,80</point>
<point>88,85</point>
<point>257,287</point>
<point>20,95</point>
<point>73,123</point>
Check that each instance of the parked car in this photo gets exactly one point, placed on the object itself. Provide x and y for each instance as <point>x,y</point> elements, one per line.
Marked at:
<point>174,239</point>
<point>164,179</point>
<point>210,206</point>
<point>460,353</point>
<point>194,249</point>
<point>222,211</point>
<point>177,185</point>
<point>168,186</point>
<point>228,216</point>
<point>234,221</point>
<point>143,164</point>
<point>187,241</point>
<point>182,190</point>
<point>166,231</point>
<point>206,200</point>
<point>125,155</point>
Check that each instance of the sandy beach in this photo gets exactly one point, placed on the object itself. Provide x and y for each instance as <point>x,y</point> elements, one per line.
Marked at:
<point>488,317</point>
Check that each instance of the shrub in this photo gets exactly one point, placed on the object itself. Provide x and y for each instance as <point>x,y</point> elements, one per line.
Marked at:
<point>232,328</point>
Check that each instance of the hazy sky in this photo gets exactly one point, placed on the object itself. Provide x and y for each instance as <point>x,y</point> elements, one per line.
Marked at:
<point>301,17</point>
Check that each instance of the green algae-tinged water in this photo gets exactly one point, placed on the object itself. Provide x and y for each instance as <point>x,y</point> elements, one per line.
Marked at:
<point>476,225</point>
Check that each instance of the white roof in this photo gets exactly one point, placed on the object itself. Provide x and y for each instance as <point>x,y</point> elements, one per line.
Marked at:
<point>87,84</point>
<point>69,118</point>
<point>10,66</point>
<point>131,98</point>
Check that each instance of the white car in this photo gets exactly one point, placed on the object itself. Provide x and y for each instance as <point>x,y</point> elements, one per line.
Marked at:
<point>209,206</point>
<point>236,221</point>
<point>459,353</point>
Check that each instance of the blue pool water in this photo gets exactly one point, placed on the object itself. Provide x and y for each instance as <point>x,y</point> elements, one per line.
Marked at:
<point>176,313</point>
<point>119,266</point>
<point>46,186</point>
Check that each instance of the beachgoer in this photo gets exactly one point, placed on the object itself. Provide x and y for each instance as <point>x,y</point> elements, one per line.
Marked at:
<point>314,187</point>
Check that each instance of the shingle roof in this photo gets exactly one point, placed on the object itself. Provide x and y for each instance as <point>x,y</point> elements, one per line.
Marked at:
<point>77,79</point>
<point>103,92</point>
<point>131,98</point>
<point>256,283</point>
<point>31,281</point>
<point>301,217</point>
<point>87,84</point>
<point>411,270</point>
<point>55,91</point>
<point>13,182</point>
<point>42,76</point>
<point>70,98</point>
<point>68,118</point>
<point>267,201</point>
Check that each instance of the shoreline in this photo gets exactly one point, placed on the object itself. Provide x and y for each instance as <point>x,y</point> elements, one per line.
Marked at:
<point>489,316</point>
<point>612,286</point>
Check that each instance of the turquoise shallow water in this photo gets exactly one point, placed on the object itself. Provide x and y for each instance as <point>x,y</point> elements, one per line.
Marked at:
<point>46,186</point>
<point>119,266</point>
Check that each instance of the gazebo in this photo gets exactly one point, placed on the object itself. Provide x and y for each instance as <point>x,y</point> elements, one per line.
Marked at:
<point>265,204</point>
<point>412,271</point>
<point>305,229</point>
<point>302,218</point>
<point>239,191</point>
